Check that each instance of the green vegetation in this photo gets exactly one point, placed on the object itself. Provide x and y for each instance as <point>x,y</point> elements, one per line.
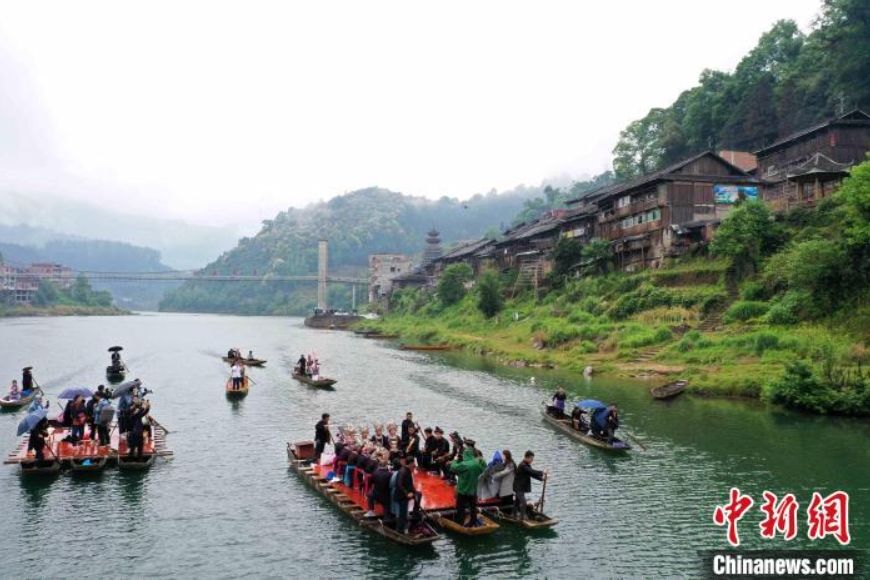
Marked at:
<point>794,335</point>
<point>489,294</point>
<point>788,81</point>
<point>451,286</point>
<point>79,299</point>
<point>357,224</point>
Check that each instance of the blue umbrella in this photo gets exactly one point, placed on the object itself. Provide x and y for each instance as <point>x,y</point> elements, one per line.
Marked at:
<point>591,404</point>
<point>125,388</point>
<point>74,392</point>
<point>29,422</point>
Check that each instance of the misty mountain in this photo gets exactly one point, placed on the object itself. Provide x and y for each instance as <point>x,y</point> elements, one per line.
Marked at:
<point>357,224</point>
<point>92,255</point>
<point>182,245</point>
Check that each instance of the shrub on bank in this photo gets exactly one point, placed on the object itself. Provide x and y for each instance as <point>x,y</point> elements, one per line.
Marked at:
<point>800,387</point>
<point>744,310</point>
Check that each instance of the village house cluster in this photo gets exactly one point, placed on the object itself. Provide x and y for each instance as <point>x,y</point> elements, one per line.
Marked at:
<point>18,285</point>
<point>659,215</point>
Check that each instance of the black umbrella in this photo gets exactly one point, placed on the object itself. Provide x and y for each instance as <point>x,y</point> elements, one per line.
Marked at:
<point>116,348</point>
<point>27,368</point>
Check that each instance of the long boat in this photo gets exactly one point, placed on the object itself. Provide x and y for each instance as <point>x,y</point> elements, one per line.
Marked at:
<point>7,404</point>
<point>88,465</point>
<point>377,335</point>
<point>424,347</point>
<point>564,425</point>
<point>300,453</point>
<point>43,468</point>
<point>248,362</point>
<point>448,523</point>
<point>534,520</point>
<point>127,463</point>
<point>240,392</point>
<point>669,390</point>
<point>322,383</point>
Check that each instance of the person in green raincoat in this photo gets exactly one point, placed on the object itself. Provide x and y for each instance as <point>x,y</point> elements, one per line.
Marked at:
<point>468,471</point>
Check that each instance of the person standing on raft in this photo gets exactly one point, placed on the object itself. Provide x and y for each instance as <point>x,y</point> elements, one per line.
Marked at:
<point>468,471</point>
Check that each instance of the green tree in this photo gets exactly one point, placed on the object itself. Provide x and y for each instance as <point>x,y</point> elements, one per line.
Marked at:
<point>844,26</point>
<point>46,294</point>
<point>638,150</point>
<point>856,194</point>
<point>745,236</point>
<point>566,256</point>
<point>451,286</point>
<point>489,295</point>
<point>597,257</point>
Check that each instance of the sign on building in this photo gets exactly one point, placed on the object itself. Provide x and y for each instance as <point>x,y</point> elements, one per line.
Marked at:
<point>733,193</point>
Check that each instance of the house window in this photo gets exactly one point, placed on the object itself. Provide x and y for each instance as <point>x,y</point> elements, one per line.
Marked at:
<point>623,201</point>
<point>807,189</point>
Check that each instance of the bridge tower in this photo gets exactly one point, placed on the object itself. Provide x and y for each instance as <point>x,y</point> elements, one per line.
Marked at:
<point>322,268</point>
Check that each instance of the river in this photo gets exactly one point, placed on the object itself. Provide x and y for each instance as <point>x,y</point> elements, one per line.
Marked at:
<point>227,505</point>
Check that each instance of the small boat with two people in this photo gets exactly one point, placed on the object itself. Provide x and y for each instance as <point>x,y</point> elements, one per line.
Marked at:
<point>23,395</point>
<point>307,370</point>
<point>235,354</point>
<point>596,431</point>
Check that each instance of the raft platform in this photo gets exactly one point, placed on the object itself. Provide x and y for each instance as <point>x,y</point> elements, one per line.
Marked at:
<point>67,455</point>
<point>438,501</point>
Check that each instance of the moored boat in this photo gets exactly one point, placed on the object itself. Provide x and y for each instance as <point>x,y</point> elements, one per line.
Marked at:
<point>669,390</point>
<point>487,526</point>
<point>564,425</point>
<point>13,405</point>
<point>378,335</point>
<point>323,383</point>
<point>299,455</point>
<point>424,347</point>
<point>240,392</point>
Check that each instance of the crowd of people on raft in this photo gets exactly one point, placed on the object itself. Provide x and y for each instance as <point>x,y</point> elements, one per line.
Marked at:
<point>308,366</point>
<point>96,414</point>
<point>602,423</point>
<point>389,455</point>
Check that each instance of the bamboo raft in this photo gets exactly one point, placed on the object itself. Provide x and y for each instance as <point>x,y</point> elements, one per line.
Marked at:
<point>669,390</point>
<point>322,383</point>
<point>237,393</point>
<point>299,453</point>
<point>61,455</point>
<point>565,426</point>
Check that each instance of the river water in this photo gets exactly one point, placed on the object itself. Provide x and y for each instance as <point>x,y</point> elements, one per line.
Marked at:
<point>227,505</point>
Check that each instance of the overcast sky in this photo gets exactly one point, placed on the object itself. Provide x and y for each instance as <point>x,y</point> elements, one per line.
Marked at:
<point>229,112</point>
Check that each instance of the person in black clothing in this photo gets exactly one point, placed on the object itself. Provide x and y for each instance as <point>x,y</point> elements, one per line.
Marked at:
<point>409,421</point>
<point>440,450</point>
<point>611,422</point>
<point>89,412</point>
<point>37,438</point>
<point>26,380</point>
<point>557,408</point>
<point>322,436</point>
<point>135,436</point>
<point>411,446</point>
<point>578,421</point>
<point>405,492</point>
<point>300,365</point>
<point>523,483</point>
<point>426,454</point>
<point>380,489</point>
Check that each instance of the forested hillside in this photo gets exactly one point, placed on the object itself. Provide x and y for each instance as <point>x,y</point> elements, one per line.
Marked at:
<point>788,81</point>
<point>356,224</point>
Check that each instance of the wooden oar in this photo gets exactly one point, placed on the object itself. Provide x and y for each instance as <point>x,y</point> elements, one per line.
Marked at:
<point>539,507</point>
<point>636,440</point>
<point>153,420</point>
